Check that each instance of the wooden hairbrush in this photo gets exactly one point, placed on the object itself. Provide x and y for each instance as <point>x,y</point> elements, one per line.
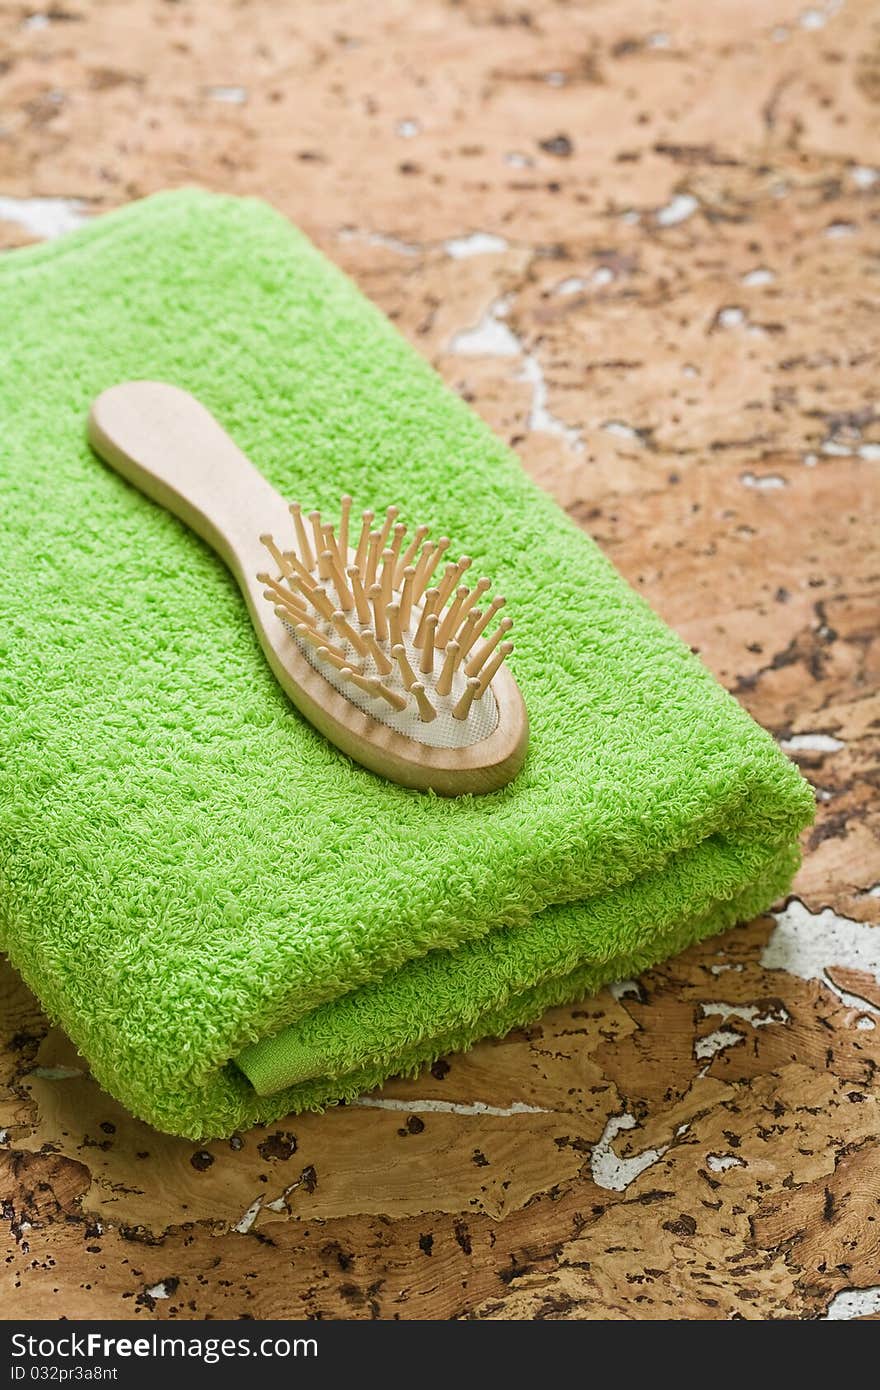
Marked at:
<point>375,636</point>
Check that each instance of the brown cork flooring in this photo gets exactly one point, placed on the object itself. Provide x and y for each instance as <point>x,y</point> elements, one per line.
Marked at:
<point>674,321</point>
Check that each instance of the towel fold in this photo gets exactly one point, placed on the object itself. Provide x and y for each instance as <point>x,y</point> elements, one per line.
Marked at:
<point>229,918</point>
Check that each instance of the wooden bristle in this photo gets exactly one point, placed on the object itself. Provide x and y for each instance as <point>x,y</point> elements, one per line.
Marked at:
<point>278,555</point>
<point>278,591</point>
<point>475,595</point>
<point>386,579</point>
<point>345,629</point>
<point>426,665</point>
<point>333,657</point>
<point>466,634</point>
<point>383,665</point>
<point>392,613</point>
<point>392,697</point>
<point>462,708</point>
<point>420,580</point>
<point>409,555</point>
<point>487,616</point>
<point>372,560</point>
<point>390,517</point>
<point>292,611</point>
<point>298,568</point>
<point>302,539</point>
<point>330,541</point>
<point>485,651</point>
<point>321,603</point>
<point>318,641</point>
<point>448,581</point>
<point>444,684</point>
<point>426,709</point>
<point>428,563</point>
<point>490,670</point>
<point>357,678</point>
<point>430,606</point>
<point>451,617</point>
<point>380,624</point>
<point>346,599</point>
<point>317,533</point>
<point>394,547</point>
<point>407,674</point>
<point>360,598</point>
<point>344,514</point>
<point>360,558</point>
<point>406,598</point>
<point>452,576</point>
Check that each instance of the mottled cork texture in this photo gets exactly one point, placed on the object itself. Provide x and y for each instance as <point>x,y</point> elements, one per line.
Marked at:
<point>641,240</point>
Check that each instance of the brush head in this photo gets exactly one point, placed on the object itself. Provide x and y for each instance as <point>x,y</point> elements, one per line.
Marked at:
<point>391,626</point>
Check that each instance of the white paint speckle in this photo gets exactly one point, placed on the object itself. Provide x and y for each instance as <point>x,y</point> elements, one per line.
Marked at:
<point>678,209</point>
<point>36,22</point>
<point>603,275</point>
<point>749,1013</point>
<point>489,338</point>
<point>870,452</point>
<point>853,1303</point>
<point>541,418</point>
<point>621,988</point>
<point>244,1224</point>
<point>159,1290</point>
<point>658,40</point>
<point>390,243</point>
<point>811,743</point>
<point>4,1136</point>
<point>863,176</point>
<point>231,96</point>
<point>719,1163</point>
<point>763,482</point>
<point>812,19</point>
<point>836,230</point>
<point>621,430</point>
<point>690,371</point>
<point>805,944</point>
<point>474,244</point>
<point>759,276</point>
<point>44,217</point>
<point>865,1024</point>
<point>631,217</point>
<point>516,160</point>
<point>835,449</point>
<point>704,1048</point>
<point>407,128</point>
<point>613,1173</point>
<point>732,316</point>
<point>447,1107</point>
<point>810,460</point>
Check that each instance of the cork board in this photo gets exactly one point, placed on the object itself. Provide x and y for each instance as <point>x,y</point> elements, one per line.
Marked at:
<point>642,241</point>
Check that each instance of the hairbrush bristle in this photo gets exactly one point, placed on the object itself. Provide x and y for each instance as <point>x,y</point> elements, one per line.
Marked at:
<point>387,618</point>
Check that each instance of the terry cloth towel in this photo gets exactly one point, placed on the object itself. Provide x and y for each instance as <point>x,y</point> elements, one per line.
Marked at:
<point>229,918</point>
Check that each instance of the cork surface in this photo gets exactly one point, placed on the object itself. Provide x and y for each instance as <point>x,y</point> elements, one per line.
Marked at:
<point>642,241</point>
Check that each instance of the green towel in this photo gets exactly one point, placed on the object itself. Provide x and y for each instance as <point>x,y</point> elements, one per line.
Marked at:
<point>189,873</point>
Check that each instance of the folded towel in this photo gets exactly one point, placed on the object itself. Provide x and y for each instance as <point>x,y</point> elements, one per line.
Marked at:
<point>190,874</point>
